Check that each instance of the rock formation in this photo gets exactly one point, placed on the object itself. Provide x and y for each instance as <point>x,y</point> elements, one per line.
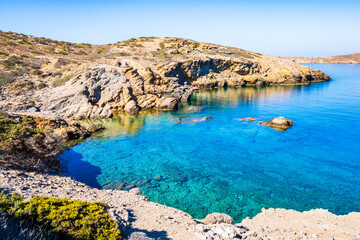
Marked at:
<point>278,123</point>
<point>80,81</point>
<point>32,142</point>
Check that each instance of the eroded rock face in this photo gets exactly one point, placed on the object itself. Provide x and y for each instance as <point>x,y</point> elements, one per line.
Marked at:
<point>38,140</point>
<point>148,77</point>
<point>278,123</point>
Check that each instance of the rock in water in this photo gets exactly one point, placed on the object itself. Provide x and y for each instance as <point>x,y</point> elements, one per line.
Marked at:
<point>279,123</point>
<point>218,218</point>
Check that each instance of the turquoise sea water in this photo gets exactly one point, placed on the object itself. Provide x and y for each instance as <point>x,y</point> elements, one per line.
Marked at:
<point>233,166</point>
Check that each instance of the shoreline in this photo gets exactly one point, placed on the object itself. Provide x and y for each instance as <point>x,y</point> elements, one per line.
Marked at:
<point>137,214</point>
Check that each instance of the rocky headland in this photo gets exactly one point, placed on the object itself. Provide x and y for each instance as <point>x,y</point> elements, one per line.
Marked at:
<point>347,59</point>
<point>78,81</point>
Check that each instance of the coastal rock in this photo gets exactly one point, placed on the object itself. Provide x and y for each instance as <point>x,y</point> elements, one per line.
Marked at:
<point>135,191</point>
<point>103,80</point>
<point>167,103</point>
<point>41,139</point>
<point>214,218</point>
<point>131,107</point>
<point>278,123</point>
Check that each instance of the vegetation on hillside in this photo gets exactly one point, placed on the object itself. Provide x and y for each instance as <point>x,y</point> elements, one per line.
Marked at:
<point>24,145</point>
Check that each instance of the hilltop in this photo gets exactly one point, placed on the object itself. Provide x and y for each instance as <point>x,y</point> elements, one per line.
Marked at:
<point>349,58</point>
<point>79,81</point>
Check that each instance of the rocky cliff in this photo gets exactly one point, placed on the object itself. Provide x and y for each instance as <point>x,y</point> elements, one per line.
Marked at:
<point>32,142</point>
<point>93,81</point>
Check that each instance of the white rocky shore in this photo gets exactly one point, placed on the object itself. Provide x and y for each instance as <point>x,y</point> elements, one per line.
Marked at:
<point>136,214</point>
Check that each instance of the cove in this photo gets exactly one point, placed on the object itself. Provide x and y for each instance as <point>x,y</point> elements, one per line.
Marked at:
<point>232,166</point>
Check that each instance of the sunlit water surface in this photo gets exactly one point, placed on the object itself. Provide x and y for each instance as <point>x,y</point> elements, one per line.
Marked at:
<point>233,166</point>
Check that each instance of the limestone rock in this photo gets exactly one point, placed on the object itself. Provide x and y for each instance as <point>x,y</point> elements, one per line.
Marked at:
<point>135,191</point>
<point>167,103</point>
<point>131,107</point>
<point>140,78</point>
<point>278,123</point>
<point>218,218</point>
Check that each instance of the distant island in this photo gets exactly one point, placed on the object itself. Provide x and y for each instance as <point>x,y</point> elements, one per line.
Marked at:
<point>349,59</point>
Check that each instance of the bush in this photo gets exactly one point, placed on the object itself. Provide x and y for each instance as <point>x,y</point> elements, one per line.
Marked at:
<point>37,52</point>
<point>4,54</point>
<point>162,45</point>
<point>61,62</point>
<point>60,81</point>
<point>70,219</point>
<point>42,85</point>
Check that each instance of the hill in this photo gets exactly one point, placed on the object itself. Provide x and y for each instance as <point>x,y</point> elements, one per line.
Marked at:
<point>349,58</point>
<point>93,81</point>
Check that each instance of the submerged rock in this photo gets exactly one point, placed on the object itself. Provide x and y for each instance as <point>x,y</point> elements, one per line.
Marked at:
<point>279,123</point>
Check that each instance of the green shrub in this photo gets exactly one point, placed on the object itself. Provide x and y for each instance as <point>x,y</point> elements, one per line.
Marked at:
<point>60,81</point>
<point>70,219</point>
<point>13,130</point>
<point>122,54</point>
<point>37,52</point>
<point>42,85</point>
<point>101,50</point>
<point>61,62</point>
<point>162,45</point>
<point>4,54</point>
<point>80,53</point>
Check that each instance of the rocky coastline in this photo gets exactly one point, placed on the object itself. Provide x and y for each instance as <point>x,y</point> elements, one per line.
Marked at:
<point>46,84</point>
<point>137,214</point>
<point>79,81</point>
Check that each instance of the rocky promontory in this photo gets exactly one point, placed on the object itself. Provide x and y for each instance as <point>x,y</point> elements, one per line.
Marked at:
<point>80,81</point>
<point>346,59</point>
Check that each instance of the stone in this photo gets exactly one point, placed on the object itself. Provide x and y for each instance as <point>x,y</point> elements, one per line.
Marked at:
<point>131,107</point>
<point>200,228</point>
<point>167,103</point>
<point>139,236</point>
<point>135,191</point>
<point>218,218</point>
<point>251,119</point>
<point>279,123</point>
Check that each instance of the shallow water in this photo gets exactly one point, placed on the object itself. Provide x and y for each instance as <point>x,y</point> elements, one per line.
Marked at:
<point>233,166</point>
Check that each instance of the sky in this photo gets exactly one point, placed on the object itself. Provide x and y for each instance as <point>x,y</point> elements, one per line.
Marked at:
<point>279,28</point>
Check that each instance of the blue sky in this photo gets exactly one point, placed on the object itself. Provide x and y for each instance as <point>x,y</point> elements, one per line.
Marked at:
<point>296,28</point>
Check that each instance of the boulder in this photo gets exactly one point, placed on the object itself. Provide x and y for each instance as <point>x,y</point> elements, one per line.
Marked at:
<point>278,123</point>
<point>167,103</point>
<point>131,107</point>
<point>214,218</point>
<point>135,191</point>
<point>186,96</point>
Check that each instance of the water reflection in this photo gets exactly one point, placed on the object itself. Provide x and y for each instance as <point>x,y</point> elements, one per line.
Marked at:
<point>122,124</point>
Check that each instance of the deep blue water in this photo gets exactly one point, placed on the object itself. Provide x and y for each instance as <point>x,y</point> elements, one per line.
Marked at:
<point>233,166</point>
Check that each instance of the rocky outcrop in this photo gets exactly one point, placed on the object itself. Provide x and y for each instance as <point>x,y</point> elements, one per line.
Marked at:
<point>135,75</point>
<point>218,218</point>
<point>346,59</point>
<point>32,142</point>
<point>278,123</point>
